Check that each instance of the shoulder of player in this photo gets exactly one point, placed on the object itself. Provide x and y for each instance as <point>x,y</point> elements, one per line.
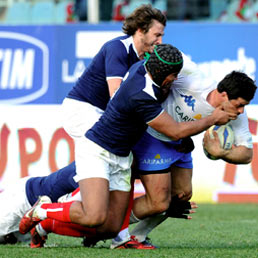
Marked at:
<point>119,44</point>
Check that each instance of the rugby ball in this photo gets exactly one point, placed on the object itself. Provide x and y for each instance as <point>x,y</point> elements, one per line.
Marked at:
<point>226,137</point>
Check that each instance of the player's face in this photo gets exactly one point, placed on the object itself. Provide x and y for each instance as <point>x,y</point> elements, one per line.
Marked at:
<point>239,104</point>
<point>152,37</point>
<point>169,80</point>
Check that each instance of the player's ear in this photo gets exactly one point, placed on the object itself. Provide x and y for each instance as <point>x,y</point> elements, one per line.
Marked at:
<point>140,32</point>
<point>224,96</point>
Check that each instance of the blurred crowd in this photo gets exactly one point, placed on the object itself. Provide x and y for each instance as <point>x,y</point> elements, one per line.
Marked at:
<point>209,10</point>
<point>117,10</point>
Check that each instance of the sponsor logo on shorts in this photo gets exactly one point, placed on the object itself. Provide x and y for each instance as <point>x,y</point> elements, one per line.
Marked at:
<point>157,160</point>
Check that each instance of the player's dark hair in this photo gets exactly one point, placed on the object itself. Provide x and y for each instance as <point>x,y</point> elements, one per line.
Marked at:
<point>163,61</point>
<point>238,85</point>
<point>142,18</point>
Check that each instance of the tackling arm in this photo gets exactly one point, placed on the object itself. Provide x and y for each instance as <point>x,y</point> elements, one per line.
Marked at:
<point>165,124</point>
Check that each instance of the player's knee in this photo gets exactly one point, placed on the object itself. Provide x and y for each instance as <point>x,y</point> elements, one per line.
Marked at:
<point>185,195</point>
<point>188,196</point>
<point>159,205</point>
<point>94,219</point>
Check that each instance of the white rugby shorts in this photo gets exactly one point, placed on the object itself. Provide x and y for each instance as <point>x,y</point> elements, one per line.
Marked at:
<point>91,160</point>
<point>79,117</point>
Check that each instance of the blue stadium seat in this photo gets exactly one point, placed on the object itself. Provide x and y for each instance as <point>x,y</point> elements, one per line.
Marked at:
<point>161,5</point>
<point>133,4</point>
<point>18,13</point>
<point>61,12</point>
<point>43,12</point>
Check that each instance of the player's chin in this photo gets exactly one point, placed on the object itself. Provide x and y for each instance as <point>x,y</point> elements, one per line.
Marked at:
<point>151,48</point>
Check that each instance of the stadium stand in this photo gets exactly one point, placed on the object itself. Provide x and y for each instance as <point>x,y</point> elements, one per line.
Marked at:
<point>43,12</point>
<point>18,13</point>
<point>61,12</point>
<point>38,12</point>
<point>121,8</point>
<point>21,12</point>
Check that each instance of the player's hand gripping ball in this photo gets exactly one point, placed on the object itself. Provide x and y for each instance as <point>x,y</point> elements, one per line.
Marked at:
<point>226,137</point>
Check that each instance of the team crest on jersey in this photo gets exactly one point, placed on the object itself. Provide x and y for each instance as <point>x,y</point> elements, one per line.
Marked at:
<point>189,100</point>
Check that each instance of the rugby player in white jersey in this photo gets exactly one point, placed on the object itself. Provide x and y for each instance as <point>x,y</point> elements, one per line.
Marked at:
<point>106,147</point>
<point>192,97</point>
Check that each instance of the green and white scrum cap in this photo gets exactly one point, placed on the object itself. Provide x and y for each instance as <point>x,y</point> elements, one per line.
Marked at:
<point>164,60</point>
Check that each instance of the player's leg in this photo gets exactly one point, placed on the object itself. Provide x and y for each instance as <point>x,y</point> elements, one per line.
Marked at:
<point>116,212</point>
<point>123,240</point>
<point>91,172</point>
<point>181,180</point>
<point>180,186</point>
<point>92,211</point>
<point>153,160</point>
<point>118,201</point>
<point>103,176</point>
<point>147,160</point>
<point>70,229</point>
<point>157,195</point>
<point>14,204</point>
<point>123,235</point>
<point>78,117</point>
<point>181,192</point>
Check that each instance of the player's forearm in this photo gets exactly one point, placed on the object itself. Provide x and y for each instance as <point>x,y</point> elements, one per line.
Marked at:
<point>185,129</point>
<point>113,85</point>
<point>165,124</point>
<point>238,155</point>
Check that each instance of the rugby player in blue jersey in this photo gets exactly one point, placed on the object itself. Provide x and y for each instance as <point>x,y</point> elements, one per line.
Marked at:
<point>104,151</point>
<point>143,30</point>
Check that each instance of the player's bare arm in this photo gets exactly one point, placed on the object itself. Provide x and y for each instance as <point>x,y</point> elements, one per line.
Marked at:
<point>113,85</point>
<point>236,155</point>
<point>165,124</point>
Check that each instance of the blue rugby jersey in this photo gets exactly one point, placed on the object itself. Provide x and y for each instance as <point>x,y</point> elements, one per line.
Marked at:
<point>135,103</point>
<point>113,60</point>
<point>54,185</point>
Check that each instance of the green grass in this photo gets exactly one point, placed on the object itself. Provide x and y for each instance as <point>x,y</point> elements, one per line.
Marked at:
<point>217,230</point>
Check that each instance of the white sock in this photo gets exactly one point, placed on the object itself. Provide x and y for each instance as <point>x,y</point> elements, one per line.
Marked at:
<point>70,197</point>
<point>123,236</point>
<point>145,226</point>
<point>133,218</point>
<point>41,213</point>
<point>41,230</point>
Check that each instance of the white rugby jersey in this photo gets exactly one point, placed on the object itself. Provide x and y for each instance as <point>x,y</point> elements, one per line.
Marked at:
<point>187,102</point>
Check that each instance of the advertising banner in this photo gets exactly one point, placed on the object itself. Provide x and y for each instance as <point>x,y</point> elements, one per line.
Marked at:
<point>40,64</point>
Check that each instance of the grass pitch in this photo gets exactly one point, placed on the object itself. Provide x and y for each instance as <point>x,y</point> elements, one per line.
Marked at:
<point>217,230</point>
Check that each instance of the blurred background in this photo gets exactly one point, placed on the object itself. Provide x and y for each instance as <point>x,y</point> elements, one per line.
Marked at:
<point>94,11</point>
<point>45,45</point>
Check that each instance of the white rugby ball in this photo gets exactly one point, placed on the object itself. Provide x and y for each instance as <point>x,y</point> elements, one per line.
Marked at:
<point>226,137</point>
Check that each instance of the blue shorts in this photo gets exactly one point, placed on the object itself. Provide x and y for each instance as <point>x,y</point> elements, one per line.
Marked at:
<point>153,155</point>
